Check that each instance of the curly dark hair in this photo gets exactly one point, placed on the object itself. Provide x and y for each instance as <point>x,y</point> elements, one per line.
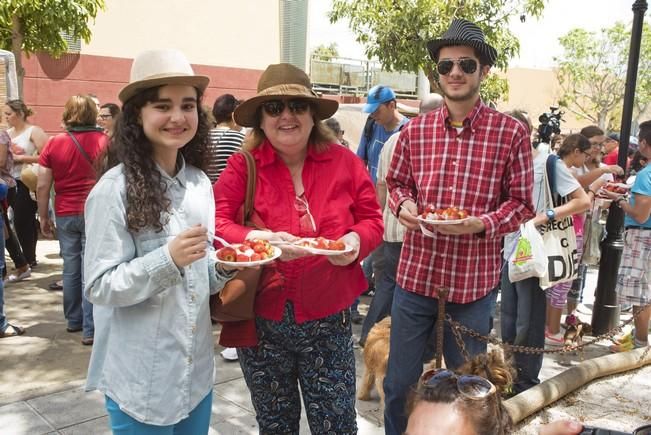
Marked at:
<point>147,202</point>
<point>487,416</point>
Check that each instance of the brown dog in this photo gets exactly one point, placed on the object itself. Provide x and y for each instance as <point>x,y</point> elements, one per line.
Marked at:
<point>575,329</point>
<point>376,356</point>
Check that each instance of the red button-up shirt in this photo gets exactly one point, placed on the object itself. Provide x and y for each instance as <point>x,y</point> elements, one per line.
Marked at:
<point>485,169</point>
<point>341,199</point>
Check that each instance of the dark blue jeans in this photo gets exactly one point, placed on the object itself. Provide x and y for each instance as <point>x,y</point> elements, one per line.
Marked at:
<point>3,318</point>
<point>412,320</point>
<point>381,303</point>
<point>522,322</point>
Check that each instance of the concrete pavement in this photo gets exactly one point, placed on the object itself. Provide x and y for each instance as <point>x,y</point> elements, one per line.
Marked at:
<point>42,373</point>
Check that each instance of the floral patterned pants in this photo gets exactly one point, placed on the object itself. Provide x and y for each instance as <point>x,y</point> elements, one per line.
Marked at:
<point>318,355</point>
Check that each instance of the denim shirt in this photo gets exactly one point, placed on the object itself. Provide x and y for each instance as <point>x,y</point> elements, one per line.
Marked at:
<point>153,350</point>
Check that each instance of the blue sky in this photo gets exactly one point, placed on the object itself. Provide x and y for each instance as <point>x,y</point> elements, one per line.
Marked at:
<point>538,38</point>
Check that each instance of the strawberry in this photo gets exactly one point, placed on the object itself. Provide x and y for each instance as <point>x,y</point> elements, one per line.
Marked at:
<point>227,254</point>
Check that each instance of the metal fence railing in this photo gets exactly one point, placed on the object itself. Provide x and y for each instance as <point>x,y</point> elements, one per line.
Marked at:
<point>355,77</point>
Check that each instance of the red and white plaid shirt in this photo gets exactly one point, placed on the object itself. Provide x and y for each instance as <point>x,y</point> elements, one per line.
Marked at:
<point>486,169</point>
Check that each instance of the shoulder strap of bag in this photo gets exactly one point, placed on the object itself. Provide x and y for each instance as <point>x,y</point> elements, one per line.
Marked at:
<point>550,167</point>
<point>251,180</point>
<point>81,150</point>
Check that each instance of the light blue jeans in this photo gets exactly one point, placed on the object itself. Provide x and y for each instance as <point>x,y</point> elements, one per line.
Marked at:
<point>196,423</point>
<point>72,239</point>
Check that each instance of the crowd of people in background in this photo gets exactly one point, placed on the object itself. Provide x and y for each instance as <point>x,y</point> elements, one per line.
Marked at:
<point>136,193</point>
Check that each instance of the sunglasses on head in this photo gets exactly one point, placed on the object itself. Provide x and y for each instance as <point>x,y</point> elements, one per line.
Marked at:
<point>276,107</point>
<point>470,386</point>
<point>468,66</point>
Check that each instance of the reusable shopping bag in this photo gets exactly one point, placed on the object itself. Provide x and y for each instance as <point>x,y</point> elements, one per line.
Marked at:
<point>558,235</point>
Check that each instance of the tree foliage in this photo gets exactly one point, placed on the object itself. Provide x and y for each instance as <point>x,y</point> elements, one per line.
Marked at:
<point>326,52</point>
<point>30,26</point>
<point>592,74</point>
<point>396,31</point>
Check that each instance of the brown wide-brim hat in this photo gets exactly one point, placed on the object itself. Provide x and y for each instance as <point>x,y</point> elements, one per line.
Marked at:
<point>283,81</point>
<point>154,68</point>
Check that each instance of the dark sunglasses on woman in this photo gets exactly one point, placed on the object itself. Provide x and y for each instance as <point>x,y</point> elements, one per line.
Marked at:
<point>468,66</point>
<point>297,106</point>
<point>469,386</point>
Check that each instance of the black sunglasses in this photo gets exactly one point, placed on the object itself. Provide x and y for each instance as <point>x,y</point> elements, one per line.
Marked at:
<point>468,66</point>
<point>276,107</point>
<point>470,386</point>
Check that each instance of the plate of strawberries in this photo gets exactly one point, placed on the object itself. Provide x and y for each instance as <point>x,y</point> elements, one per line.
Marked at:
<point>250,253</point>
<point>443,216</point>
<point>322,246</point>
<point>619,188</point>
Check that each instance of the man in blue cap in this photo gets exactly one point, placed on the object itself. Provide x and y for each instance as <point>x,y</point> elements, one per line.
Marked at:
<point>384,120</point>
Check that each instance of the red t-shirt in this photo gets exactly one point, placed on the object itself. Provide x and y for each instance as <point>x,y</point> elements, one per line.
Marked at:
<point>611,157</point>
<point>73,175</point>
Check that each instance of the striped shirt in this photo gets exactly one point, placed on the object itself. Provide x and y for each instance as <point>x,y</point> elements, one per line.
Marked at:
<point>394,231</point>
<point>486,168</point>
<point>224,142</point>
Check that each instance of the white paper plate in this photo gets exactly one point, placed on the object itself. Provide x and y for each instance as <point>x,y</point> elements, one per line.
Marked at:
<point>277,253</point>
<point>320,251</point>
<point>443,222</point>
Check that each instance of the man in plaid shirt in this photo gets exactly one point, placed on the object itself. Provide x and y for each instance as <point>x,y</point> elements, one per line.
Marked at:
<point>463,155</point>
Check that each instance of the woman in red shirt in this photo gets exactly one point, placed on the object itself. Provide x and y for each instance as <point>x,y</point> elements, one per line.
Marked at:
<point>307,186</point>
<point>67,161</point>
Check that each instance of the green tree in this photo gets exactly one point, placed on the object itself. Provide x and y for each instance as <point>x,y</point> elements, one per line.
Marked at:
<point>30,26</point>
<point>592,74</point>
<point>396,31</point>
<point>326,52</point>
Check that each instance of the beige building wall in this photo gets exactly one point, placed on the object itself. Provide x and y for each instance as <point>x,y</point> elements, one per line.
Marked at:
<point>535,90</point>
<point>240,34</point>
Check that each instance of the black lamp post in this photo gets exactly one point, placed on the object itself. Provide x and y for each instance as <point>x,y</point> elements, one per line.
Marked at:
<point>605,314</point>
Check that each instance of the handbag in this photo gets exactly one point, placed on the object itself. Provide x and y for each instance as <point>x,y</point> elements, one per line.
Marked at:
<point>235,302</point>
<point>29,175</point>
<point>558,236</point>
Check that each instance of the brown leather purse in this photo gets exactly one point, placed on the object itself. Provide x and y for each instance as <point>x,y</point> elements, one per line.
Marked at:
<point>235,302</point>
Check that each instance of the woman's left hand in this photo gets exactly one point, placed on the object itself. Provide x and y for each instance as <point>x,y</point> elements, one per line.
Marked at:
<point>350,239</point>
<point>611,195</point>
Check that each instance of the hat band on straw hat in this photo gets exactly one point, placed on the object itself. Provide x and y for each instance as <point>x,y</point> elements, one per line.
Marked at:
<point>289,90</point>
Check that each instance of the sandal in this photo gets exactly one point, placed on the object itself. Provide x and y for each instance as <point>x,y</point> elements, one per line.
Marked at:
<point>17,330</point>
<point>56,285</point>
<point>21,276</point>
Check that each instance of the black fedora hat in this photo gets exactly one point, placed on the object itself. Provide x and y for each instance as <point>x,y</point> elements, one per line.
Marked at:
<point>463,32</point>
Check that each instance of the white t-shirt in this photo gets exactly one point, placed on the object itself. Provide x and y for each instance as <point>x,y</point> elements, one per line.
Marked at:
<point>22,144</point>
<point>565,184</point>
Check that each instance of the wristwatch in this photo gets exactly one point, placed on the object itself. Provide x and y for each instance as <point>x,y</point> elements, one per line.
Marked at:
<point>551,214</point>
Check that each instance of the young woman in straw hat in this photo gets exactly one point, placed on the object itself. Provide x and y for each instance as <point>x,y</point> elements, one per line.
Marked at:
<point>307,186</point>
<point>149,264</point>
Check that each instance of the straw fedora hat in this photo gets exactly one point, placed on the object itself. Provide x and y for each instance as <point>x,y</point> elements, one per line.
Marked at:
<point>283,81</point>
<point>161,67</point>
<point>463,32</point>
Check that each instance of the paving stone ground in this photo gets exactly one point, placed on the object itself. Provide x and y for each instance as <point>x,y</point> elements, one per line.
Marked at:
<point>42,373</point>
